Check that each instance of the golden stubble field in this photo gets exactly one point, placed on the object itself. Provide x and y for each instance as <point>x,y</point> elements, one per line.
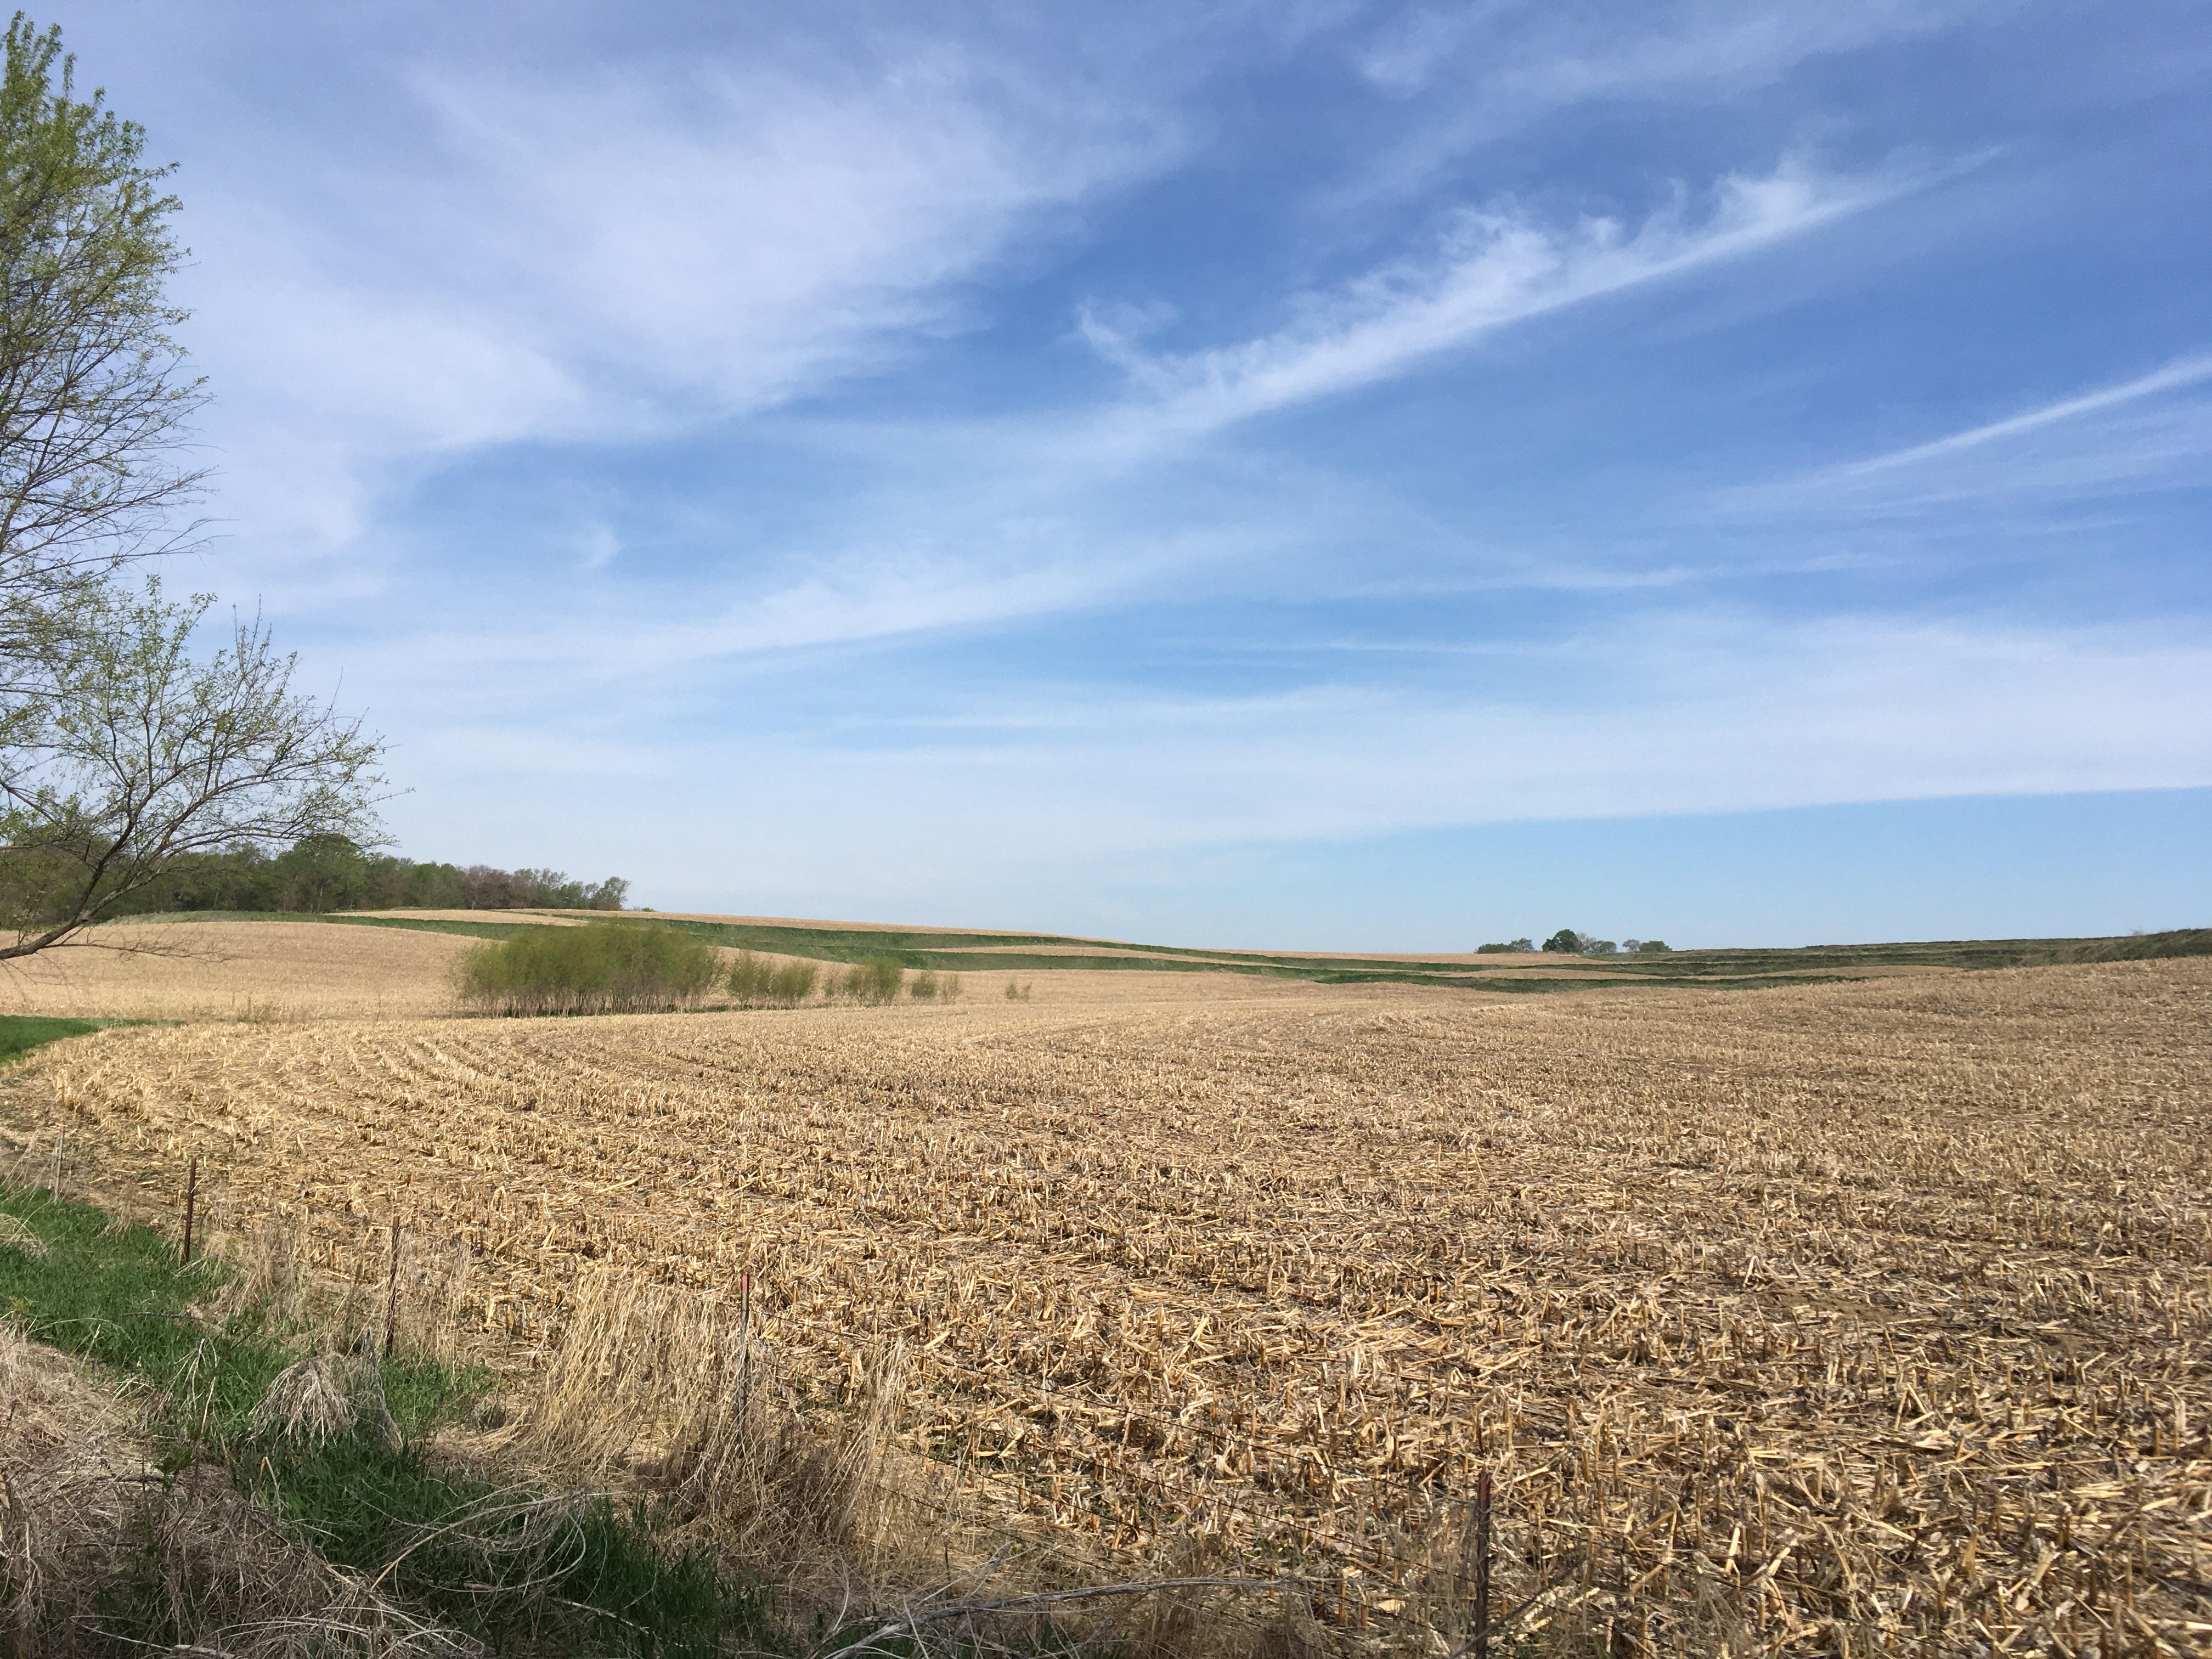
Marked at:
<point>1857,1317</point>
<point>230,971</point>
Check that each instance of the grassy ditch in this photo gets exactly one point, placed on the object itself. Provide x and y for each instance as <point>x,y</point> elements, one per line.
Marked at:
<point>517,1571</point>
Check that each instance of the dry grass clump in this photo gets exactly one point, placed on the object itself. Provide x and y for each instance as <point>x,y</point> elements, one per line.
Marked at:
<point>16,1234</point>
<point>649,1383</point>
<point>203,1559</point>
<point>268,1275</point>
<point>65,1458</point>
<point>92,1532</point>
<point>310,1401</point>
<point>1820,1319</point>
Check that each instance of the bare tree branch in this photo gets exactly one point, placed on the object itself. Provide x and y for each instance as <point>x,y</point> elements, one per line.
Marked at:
<point>137,755</point>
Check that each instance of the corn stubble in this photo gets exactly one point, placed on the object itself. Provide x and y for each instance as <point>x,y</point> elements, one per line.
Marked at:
<point>1851,1318</point>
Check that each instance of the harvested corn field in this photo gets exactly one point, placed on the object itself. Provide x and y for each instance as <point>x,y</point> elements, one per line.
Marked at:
<point>1858,1317</point>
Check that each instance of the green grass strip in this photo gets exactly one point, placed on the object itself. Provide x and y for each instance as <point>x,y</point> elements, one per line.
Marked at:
<point>433,925</point>
<point>420,924</point>
<point>20,1033</point>
<point>118,1296</point>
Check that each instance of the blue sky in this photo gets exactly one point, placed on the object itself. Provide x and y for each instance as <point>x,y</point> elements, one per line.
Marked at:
<point>1328,475</point>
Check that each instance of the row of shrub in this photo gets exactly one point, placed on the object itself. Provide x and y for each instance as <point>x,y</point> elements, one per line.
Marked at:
<point>756,982</point>
<point>1568,942</point>
<point>643,968</point>
<point>602,968</point>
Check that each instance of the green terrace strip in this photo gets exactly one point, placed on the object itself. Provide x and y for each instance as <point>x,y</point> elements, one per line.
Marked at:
<point>423,924</point>
<point>981,953</point>
<point>117,1297</point>
<point>20,1033</point>
<point>1720,970</point>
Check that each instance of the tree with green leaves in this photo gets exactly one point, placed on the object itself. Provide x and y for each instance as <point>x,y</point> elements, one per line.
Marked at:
<point>121,751</point>
<point>94,403</point>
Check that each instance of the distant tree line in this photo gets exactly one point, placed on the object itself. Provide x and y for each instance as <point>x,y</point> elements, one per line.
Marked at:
<point>1568,942</point>
<point>322,873</point>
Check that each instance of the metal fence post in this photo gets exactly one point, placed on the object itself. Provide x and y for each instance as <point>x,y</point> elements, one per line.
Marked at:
<point>192,1196</point>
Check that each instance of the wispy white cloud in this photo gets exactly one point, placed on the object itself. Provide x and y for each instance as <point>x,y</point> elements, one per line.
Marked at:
<point>738,240</point>
<point>1495,267</point>
<point>643,650</point>
<point>599,546</point>
<point>721,243</point>
<point>2143,434</point>
<point>1494,69</point>
<point>1668,51</point>
<point>2187,371</point>
<point>616,255</point>
<point>1699,713</point>
<point>1402,57</point>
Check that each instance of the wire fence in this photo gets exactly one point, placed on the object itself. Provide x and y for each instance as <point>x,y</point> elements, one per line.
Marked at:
<point>1401,1572</point>
<point>1311,1566</point>
<point>1400,1566</point>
